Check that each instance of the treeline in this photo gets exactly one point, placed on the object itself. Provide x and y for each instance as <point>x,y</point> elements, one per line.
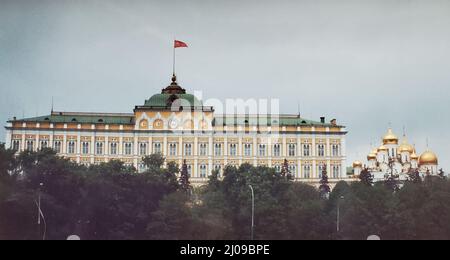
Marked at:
<point>111,201</point>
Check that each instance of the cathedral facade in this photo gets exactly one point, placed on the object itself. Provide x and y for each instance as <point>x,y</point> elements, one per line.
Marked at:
<point>399,158</point>
<point>178,126</point>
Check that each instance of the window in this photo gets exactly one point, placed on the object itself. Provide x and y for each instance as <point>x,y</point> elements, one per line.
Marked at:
<point>218,149</point>
<point>203,149</point>
<point>262,150</point>
<point>233,150</point>
<point>292,170</point>
<point>71,147</point>
<point>157,148</point>
<point>247,150</point>
<point>128,148</point>
<point>336,170</point>
<point>188,149</point>
<point>57,146</point>
<point>335,150</point>
<point>202,171</point>
<point>321,169</point>
<point>113,150</point>
<point>292,148</point>
<point>277,150</point>
<point>306,171</point>
<point>30,145</point>
<point>306,150</point>
<point>99,148</point>
<point>218,168</point>
<point>16,145</point>
<point>143,149</point>
<point>321,150</point>
<point>44,144</point>
<point>278,168</point>
<point>172,149</point>
<point>189,170</point>
<point>85,148</point>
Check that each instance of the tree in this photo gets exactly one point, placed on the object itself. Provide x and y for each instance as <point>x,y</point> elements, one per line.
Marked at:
<point>324,188</point>
<point>154,161</point>
<point>366,177</point>
<point>414,176</point>
<point>441,173</point>
<point>285,172</point>
<point>185,185</point>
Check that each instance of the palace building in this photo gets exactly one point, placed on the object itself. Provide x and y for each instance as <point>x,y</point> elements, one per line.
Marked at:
<point>398,158</point>
<point>178,125</point>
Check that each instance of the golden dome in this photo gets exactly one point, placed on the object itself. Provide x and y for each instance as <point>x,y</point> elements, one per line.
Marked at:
<point>372,155</point>
<point>390,138</point>
<point>382,148</point>
<point>405,147</point>
<point>357,164</point>
<point>428,158</point>
<point>414,156</point>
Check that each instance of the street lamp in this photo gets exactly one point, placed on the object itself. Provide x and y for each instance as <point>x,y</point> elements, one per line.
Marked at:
<point>40,214</point>
<point>253,211</point>
<point>338,213</point>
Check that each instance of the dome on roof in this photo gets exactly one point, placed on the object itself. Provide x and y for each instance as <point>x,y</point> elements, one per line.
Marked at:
<point>428,158</point>
<point>390,138</point>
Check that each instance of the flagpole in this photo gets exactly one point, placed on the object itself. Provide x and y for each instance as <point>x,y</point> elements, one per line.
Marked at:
<point>173,57</point>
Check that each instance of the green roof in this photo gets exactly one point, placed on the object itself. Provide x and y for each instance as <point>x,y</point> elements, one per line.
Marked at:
<point>163,100</point>
<point>283,120</point>
<point>83,118</point>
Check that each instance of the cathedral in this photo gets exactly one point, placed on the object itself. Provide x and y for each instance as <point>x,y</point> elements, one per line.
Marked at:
<point>179,126</point>
<point>399,158</point>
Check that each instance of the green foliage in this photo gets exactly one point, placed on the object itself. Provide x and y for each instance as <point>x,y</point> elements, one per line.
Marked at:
<point>112,201</point>
<point>366,177</point>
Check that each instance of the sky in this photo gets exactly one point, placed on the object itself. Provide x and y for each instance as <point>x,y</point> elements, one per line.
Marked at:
<point>369,64</point>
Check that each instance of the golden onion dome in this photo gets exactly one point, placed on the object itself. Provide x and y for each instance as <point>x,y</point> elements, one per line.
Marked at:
<point>414,156</point>
<point>390,138</point>
<point>383,149</point>
<point>372,155</point>
<point>405,147</point>
<point>357,164</point>
<point>428,158</point>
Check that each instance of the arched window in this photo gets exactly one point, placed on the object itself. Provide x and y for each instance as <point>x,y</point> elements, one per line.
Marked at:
<point>306,150</point>
<point>321,168</point>
<point>71,147</point>
<point>218,149</point>
<point>85,148</point>
<point>188,149</point>
<point>306,171</point>
<point>262,150</point>
<point>157,147</point>
<point>44,144</point>
<point>203,171</point>
<point>292,149</point>
<point>203,149</point>
<point>233,150</point>
<point>247,150</point>
<point>278,168</point>
<point>143,149</point>
<point>113,149</point>
<point>16,145</point>
<point>172,149</point>
<point>293,170</point>
<point>57,146</point>
<point>128,148</point>
<point>99,148</point>
<point>276,150</point>
<point>335,150</point>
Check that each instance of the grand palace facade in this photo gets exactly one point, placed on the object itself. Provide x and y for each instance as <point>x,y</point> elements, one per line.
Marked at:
<point>178,126</point>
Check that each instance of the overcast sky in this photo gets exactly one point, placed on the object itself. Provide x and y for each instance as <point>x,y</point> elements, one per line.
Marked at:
<point>366,63</point>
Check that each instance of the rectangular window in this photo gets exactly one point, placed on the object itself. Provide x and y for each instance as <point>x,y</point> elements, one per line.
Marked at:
<point>306,150</point>
<point>202,171</point>
<point>321,150</point>
<point>44,144</point>
<point>57,146</point>
<point>203,149</point>
<point>16,145</point>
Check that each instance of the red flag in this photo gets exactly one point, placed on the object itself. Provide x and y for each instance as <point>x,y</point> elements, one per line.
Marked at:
<point>179,44</point>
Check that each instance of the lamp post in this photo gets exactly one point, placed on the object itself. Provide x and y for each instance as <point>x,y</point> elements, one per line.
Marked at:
<point>40,214</point>
<point>338,227</point>
<point>253,211</point>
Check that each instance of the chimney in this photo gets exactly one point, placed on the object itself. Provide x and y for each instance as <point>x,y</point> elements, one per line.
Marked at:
<point>14,118</point>
<point>322,120</point>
